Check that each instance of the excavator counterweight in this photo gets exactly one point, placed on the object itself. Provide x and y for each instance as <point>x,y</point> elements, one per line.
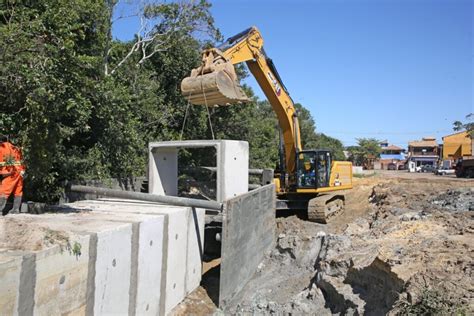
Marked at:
<point>213,83</point>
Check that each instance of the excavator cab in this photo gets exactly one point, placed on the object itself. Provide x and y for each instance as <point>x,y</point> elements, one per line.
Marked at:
<point>313,169</point>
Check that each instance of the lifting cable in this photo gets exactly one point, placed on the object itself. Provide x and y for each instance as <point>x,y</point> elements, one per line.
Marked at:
<point>207,108</point>
<point>185,116</point>
<point>208,115</point>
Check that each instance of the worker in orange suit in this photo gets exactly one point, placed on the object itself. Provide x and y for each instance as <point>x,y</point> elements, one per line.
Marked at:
<point>12,172</point>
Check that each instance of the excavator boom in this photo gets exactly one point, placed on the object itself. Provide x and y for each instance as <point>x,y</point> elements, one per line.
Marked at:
<point>308,180</point>
<point>215,83</point>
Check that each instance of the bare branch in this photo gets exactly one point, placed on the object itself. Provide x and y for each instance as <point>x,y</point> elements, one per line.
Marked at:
<point>156,31</point>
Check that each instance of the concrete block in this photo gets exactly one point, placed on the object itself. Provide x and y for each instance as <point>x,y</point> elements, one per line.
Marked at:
<point>10,270</point>
<point>232,161</point>
<point>109,265</point>
<point>61,278</point>
<point>42,279</point>
<point>232,169</point>
<point>184,241</point>
<point>147,259</point>
<point>112,271</point>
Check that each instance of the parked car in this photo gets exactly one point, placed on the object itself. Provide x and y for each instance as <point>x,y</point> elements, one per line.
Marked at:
<point>392,166</point>
<point>444,171</point>
<point>428,168</point>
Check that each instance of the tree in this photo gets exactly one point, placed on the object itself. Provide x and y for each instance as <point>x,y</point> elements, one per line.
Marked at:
<point>161,25</point>
<point>333,144</point>
<point>468,126</point>
<point>367,148</point>
<point>310,139</point>
<point>72,120</point>
<point>51,53</point>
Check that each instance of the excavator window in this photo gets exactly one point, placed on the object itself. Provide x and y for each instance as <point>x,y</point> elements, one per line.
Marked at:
<point>323,166</point>
<point>306,170</point>
<point>313,169</point>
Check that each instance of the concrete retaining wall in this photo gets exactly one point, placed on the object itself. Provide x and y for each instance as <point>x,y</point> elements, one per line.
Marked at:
<point>248,232</point>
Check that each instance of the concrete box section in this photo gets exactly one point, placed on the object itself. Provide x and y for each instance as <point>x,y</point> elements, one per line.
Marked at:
<point>61,278</point>
<point>10,269</point>
<point>232,166</point>
<point>183,242</point>
<point>146,294</point>
<point>108,256</point>
<point>248,232</point>
<point>50,280</point>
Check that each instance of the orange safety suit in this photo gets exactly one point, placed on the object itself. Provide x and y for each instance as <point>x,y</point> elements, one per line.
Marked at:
<point>11,170</point>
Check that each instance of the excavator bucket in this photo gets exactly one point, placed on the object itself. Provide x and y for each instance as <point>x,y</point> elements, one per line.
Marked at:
<point>213,83</point>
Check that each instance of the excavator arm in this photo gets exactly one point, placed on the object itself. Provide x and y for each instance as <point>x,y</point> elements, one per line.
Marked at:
<point>215,83</point>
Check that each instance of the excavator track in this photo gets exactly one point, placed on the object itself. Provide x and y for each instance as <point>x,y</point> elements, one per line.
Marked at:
<point>323,208</point>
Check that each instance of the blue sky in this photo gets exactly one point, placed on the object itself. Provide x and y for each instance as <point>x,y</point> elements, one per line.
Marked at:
<point>395,70</point>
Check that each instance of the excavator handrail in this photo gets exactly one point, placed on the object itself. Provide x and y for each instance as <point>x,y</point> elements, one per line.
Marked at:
<point>235,38</point>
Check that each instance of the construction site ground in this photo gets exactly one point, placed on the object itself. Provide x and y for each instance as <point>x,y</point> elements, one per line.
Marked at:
<point>404,244</point>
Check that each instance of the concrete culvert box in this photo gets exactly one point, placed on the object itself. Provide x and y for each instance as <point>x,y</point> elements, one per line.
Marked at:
<point>232,163</point>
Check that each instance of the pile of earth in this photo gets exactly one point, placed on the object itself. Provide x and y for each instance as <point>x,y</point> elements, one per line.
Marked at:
<point>412,240</point>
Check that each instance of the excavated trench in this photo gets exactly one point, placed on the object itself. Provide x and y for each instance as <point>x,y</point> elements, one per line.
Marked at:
<point>374,259</point>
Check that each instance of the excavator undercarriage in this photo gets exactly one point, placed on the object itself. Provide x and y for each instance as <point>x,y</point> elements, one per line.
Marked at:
<point>322,208</point>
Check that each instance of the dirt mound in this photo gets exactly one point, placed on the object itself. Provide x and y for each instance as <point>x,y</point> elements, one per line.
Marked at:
<point>21,234</point>
<point>411,237</point>
<point>456,200</point>
<point>403,246</point>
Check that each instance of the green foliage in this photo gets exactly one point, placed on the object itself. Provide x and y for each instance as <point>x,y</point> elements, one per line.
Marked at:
<point>76,249</point>
<point>312,140</point>
<point>76,120</point>
<point>431,302</point>
<point>49,61</point>
<point>468,126</point>
<point>367,148</point>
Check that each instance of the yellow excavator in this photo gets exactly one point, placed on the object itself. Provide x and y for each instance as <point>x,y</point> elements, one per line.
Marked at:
<point>307,181</point>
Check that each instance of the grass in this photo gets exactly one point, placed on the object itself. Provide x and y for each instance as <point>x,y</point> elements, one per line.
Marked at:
<point>431,302</point>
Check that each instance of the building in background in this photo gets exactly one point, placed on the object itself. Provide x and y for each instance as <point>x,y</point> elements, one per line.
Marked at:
<point>423,152</point>
<point>391,157</point>
<point>457,145</point>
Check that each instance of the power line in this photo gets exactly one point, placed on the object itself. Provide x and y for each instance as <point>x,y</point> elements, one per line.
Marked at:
<point>386,133</point>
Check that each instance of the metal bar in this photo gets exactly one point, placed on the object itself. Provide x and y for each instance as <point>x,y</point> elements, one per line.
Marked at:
<point>171,200</point>
<point>214,169</point>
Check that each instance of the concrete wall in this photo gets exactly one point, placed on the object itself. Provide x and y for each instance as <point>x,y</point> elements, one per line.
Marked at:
<point>248,232</point>
<point>232,166</point>
<point>358,170</point>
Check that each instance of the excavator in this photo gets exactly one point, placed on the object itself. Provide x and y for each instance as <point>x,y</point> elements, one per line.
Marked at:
<point>308,182</point>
